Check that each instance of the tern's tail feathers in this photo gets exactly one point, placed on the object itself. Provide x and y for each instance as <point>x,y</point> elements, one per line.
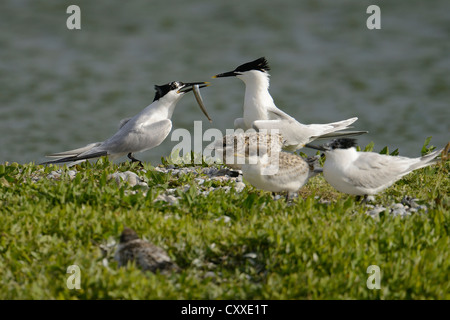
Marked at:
<point>334,126</point>
<point>74,152</point>
<point>77,155</point>
<point>427,160</point>
<point>78,159</point>
<point>340,125</point>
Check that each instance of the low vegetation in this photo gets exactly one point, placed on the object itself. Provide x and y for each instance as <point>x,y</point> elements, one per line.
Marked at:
<point>229,244</point>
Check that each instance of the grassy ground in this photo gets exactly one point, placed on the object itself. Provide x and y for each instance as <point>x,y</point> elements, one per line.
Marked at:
<point>230,245</point>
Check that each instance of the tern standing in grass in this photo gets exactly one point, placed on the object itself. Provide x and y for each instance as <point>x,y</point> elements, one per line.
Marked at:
<point>366,173</point>
<point>144,131</point>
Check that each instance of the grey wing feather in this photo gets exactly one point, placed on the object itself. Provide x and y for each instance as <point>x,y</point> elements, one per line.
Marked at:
<point>292,131</point>
<point>374,170</point>
<point>277,114</point>
<point>124,122</point>
<point>139,139</point>
<point>338,134</point>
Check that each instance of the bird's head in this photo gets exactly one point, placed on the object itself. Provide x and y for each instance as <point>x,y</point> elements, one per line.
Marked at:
<point>175,90</point>
<point>248,71</point>
<point>170,93</point>
<point>128,234</point>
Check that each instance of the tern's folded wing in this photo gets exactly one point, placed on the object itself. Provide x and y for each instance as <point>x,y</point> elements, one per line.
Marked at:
<point>374,170</point>
<point>138,139</point>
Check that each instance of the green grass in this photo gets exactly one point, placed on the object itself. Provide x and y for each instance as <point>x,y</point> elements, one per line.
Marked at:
<point>268,249</point>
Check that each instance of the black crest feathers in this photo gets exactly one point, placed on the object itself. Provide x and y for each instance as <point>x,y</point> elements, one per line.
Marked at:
<point>260,64</point>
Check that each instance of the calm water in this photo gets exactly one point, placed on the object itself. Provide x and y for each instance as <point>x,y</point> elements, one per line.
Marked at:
<point>62,89</point>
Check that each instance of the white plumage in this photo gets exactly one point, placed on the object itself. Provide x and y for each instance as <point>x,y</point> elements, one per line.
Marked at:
<point>144,131</point>
<point>260,111</point>
<point>366,173</point>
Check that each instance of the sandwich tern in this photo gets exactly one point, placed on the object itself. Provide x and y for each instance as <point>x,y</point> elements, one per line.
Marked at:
<point>260,112</point>
<point>142,132</point>
<point>146,255</point>
<point>366,173</point>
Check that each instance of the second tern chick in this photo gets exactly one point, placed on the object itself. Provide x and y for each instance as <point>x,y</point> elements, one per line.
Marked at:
<point>278,171</point>
<point>146,255</point>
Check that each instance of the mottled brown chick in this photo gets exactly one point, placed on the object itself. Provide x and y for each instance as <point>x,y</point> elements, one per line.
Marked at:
<point>147,255</point>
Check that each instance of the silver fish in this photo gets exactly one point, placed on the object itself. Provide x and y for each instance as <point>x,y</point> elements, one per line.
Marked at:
<point>199,99</point>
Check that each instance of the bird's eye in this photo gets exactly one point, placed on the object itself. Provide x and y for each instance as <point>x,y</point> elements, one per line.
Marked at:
<point>174,85</point>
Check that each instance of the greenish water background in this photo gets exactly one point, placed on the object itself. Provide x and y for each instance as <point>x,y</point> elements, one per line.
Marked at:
<point>62,89</point>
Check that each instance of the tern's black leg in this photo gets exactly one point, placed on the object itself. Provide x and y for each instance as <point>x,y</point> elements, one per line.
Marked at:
<point>364,199</point>
<point>133,159</point>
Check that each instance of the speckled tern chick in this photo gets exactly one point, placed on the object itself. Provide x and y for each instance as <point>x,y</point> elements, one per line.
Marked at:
<point>146,255</point>
<point>268,168</point>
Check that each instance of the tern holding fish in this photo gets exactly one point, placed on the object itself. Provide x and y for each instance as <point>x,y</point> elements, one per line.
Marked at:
<point>144,131</point>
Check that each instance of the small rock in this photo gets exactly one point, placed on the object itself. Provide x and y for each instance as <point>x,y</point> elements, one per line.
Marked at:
<point>166,198</point>
<point>199,180</point>
<point>239,186</point>
<point>72,174</point>
<point>374,213</point>
<point>225,219</point>
<point>315,257</point>
<point>407,200</point>
<point>399,212</point>
<point>210,274</point>
<point>250,255</point>
<point>197,262</point>
<point>422,207</point>
<point>398,206</point>
<point>127,176</point>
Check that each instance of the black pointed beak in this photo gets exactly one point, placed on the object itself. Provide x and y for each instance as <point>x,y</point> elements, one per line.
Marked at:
<point>226,74</point>
<point>320,148</point>
<point>188,86</point>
